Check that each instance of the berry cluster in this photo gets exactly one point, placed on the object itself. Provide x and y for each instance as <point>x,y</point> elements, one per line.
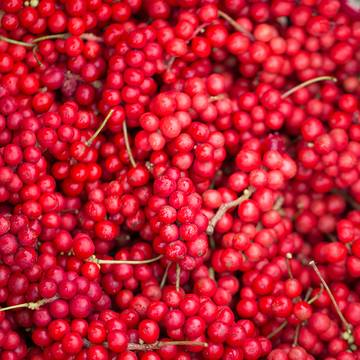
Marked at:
<point>179,179</point>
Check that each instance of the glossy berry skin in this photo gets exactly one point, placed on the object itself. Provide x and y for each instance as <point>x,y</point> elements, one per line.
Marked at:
<point>149,331</point>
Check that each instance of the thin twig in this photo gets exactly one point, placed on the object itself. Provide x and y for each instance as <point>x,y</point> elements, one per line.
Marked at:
<point>163,280</point>
<point>236,25</point>
<point>331,237</point>
<point>317,296</point>
<point>127,145</point>
<point>296,335</point>
<point>97,132</point>
<point>33,43</point>
<point>225,207</point>
<point>307,83</point>
<point>279,202</point>
<point>34,50</point>
<point>91,37</point>
<point>277,330</point>
<point>217,97</point>
<point>178,275</point>
<point>355,205</point>
<point>16,42</point>
<point>308,294</point>
<point>212,242</point>
<point>118,262</point>
<point>30,305</point>
<point>159,344</point>
<point>51,37</point>
<point>288,257</point>
<point>170,63</point>
<point>331,296</point>
<point>212,273</point>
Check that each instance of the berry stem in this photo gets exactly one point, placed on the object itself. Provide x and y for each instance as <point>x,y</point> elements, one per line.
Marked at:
<point>51,37</point>
<point>200,29</point>
<point>296,335</point>
<point>279,202</point>
<point>127,145</point>
<point>33,43</point>
<point>307,83</point>
<point>178,274</point>
<point>331,296</point>
<point>212,242</point>
<point>235,24</point>
<point>30,305</point>
<point>154,346</point>
<point>163,280</point>
<point>118,262</point>
<point>331,237</point>
<point>277,330</point>
<point>355,205</point>
<point>16,42</point>
<point>212,273</point>
<point>314,298</point>
<point>85,36</point>
<point>288,257</point>
<point>217,97</point>
<point>91,37</point>
<point>170,63</point>
<point>87,343</point>
<point>34,50</point>
<point>308,294</point>
<point>97,132</point>
<point>225,207</point>
<point>159,344</point>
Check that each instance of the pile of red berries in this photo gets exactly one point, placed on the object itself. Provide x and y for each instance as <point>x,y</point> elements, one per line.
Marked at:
<point>179,179</point>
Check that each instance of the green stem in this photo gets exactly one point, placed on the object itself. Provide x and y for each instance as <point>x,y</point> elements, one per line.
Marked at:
<point>85,36</point>
<point>314,298</point>
<point>51,37</point>
<point>16,42</point>
<point>277,330</point>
